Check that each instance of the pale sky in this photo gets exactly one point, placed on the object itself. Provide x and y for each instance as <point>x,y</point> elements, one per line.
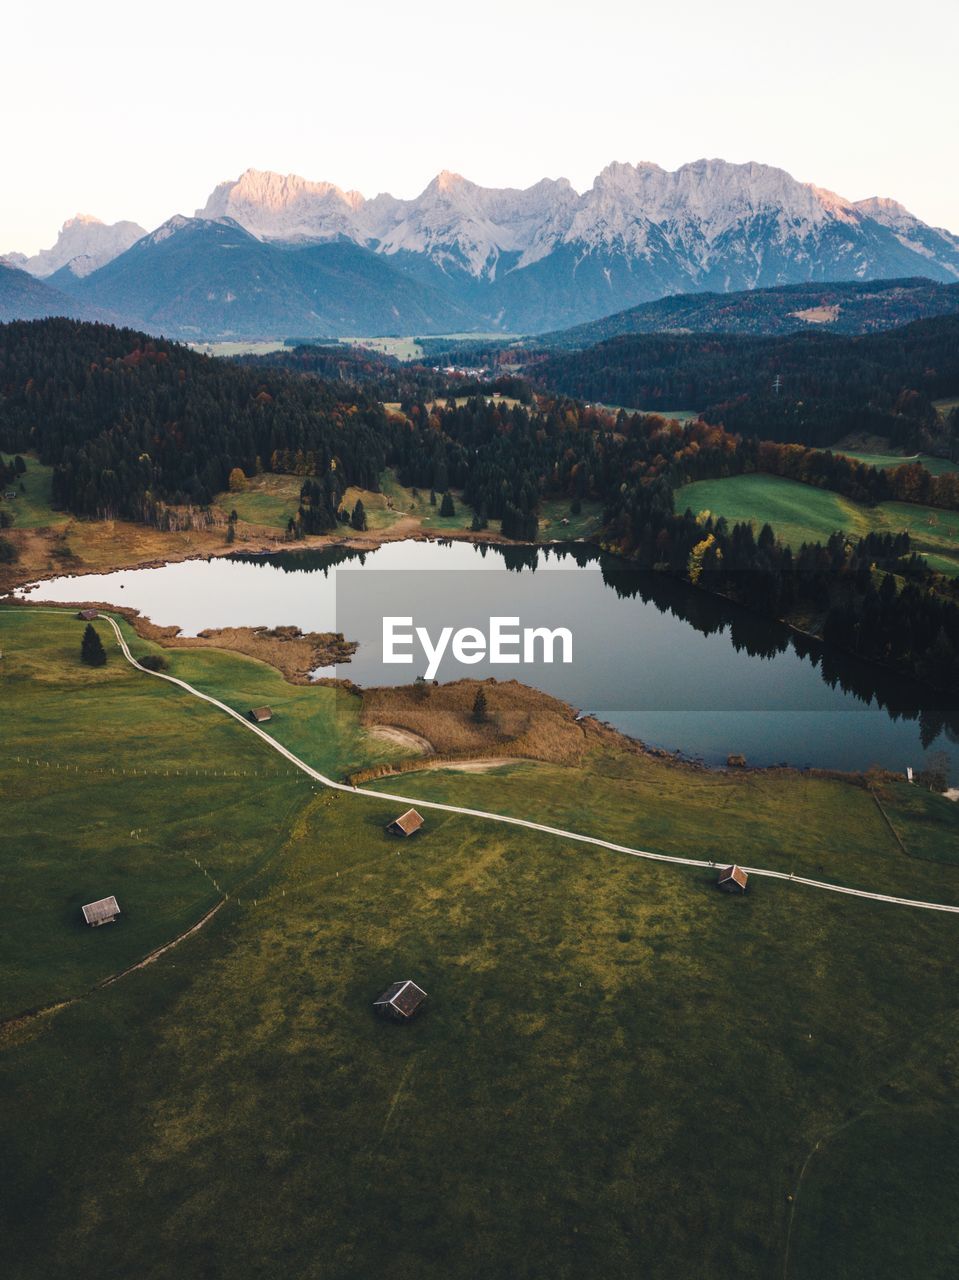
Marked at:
<point>137,111</point>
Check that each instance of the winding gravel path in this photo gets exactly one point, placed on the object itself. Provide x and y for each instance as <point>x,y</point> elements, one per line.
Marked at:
<point>515,822</point>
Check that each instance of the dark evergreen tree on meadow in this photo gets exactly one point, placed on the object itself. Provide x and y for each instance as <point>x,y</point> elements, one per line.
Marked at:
<point>91,648</point>
<point>358,518</point>
<point>446,506</point>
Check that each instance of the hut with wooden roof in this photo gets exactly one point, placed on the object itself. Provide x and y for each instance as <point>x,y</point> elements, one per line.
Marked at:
<point>732,880</point>
<point>400,1001</point>
<point>407,824</point>
<point>103,911</point>
<point>87,615</point>
<point>260,715</point>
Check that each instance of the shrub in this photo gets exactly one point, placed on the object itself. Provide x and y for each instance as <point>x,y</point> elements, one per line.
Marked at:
<point>153,662</point>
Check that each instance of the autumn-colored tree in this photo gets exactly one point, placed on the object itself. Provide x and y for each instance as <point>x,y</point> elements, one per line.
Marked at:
<point>237,481</point>
<point>697,557</point>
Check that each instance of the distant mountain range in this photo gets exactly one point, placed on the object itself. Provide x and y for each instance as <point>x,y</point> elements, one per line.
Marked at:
<point>269,255</point>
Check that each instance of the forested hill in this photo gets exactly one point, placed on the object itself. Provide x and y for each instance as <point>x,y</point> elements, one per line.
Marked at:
<point>851,307</point>
<point>128,421</point>
<point>811,388</point>
<point>357,366</point>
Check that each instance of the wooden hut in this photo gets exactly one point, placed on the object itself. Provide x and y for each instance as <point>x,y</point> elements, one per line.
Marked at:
<point>104,911</point>
<point>400,1001</point>
<point>406,824</point>
<point>260,715</point>
<point>732,880</point>
<point>88,615</point>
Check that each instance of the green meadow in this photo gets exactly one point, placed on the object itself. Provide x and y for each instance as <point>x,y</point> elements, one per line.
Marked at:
<point>802,513</point>
<point>936,466</point>
<point>32,509</point>
<point>619,1073</point>
<point>270,500</point>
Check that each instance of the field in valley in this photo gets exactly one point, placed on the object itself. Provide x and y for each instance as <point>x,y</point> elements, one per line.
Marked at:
<point>620,1071</point>
<point>269,501</point>
<point>802,513</point>
<point>31,508</point>
<point>936,466</point>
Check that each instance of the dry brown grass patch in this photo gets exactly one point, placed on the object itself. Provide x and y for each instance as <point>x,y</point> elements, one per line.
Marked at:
<point>522,721</point>
<point>294,653</point>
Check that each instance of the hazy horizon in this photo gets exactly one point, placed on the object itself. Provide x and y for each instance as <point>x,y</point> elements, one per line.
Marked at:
<point>138,117</point>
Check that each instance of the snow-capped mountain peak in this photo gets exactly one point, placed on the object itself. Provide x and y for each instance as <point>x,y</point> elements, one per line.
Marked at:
<point>277,206</point>
<point>521,260</point>
<point>83,245</point>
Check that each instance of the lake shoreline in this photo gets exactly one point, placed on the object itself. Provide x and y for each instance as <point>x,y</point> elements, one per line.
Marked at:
<point>14,579</point>
<point>169,638</point>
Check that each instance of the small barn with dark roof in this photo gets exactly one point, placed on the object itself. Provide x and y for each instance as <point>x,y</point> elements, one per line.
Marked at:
<point>88,615</point>
<point>406,824</point>
<point>260,715</point>
<point>732,880</point>
<point>104,911</point>
<point>400,1001</point>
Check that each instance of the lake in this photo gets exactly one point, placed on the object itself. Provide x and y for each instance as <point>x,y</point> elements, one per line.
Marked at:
<point>661,661</point>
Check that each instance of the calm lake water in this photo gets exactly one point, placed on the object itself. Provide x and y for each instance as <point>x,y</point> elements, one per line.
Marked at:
<point>665,663</point>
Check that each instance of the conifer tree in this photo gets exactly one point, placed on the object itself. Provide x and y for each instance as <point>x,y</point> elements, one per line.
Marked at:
<point>446,506</point>
<point>480,708</point>
<point>358,519</point>
<point>91,648</point>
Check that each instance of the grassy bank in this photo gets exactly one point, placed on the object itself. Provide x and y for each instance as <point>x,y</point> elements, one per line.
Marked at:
<point>801,513</point>
<point>620,1072</point>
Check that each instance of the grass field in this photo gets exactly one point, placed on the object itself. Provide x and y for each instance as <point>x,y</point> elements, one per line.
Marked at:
<point>268,500</point>
<point>620,1072</point>
<point>31,509</point>
<point>401,348</point>
<point>410,349</point>
<point>936,466</point>
<point>228,349</point>
<point>394,503</point>
<point>945,407</point>
<point>800,512</point>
